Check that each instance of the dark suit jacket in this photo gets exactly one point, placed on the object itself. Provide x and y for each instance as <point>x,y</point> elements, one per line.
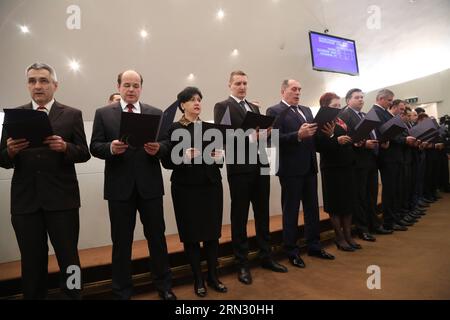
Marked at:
<point>237,115</point>
<point>45,179</point>
<point>332,154</point>
<point>365,158</point>
<point>190,173</point>
<point>296,157</point>
<point>393,154</point>
<point>134,168</point>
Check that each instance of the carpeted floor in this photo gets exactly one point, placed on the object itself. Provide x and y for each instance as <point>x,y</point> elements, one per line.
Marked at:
<point>414,265</point>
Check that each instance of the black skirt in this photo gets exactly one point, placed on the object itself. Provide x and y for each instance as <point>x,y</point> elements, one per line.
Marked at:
<point>339,191</point>
<point>198,211</point>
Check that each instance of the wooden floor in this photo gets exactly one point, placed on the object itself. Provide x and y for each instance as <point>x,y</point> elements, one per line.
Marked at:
<point>102,255</point>
<point>414,264</point>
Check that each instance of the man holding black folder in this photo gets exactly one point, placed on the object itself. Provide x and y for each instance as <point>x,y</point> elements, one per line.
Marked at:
<point>365,216</point>
<point>298,172</point>
<point>45,198</point>
<point>390,161</point>
<point>247,184</point>
<point>133,182</point>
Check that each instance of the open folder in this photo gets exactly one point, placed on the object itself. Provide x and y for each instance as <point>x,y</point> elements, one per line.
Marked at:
<point>365,126</point>
<point>137,129</point>
<point>325,115</point>
<point>422,129</point>
<point>392,128</point>
<point>32,125</point>
<point>253,120</point>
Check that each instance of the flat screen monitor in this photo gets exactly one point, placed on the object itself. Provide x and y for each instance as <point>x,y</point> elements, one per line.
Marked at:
<point>333,54</point>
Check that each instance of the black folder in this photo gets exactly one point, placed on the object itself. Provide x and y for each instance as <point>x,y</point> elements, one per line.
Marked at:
<point>136,129</point>
<point>365,126</point>
<point>392,128</point>
<point>325,115</point>
<point>253,120</point>
<point>220,127</point>
<point>28,124</point>
<point>422,129</point>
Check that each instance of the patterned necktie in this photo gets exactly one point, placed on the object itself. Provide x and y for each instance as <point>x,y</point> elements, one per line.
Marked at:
<point>242,104</point>
<point>130,108</point>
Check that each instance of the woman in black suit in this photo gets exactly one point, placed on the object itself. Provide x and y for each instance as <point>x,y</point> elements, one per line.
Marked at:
<point>337,163</point>
<point>197,195</point>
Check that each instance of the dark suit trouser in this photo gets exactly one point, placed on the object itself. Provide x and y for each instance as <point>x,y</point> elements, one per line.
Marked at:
<point>122,216</point>
<point>62,227</point>
<point>390,176</point>
<point>249,188</point>
<point>293,191</point>
<point>407,185</point>
<point>365,217</point>
<point>372,198</point>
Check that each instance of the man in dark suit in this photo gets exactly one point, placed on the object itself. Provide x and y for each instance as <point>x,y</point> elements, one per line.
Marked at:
<point>45,198</point>
<point>247,184</point>
<point>365,217</point>
<point>390,161</point>
<point>133,181</point>
<point>297,172</point>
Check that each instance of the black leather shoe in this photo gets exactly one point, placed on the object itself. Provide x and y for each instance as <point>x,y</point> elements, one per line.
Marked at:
<point>344,248</point>
<point>199,288</point>
<point>296,261</point>
<point>404,223</point>
<point>322,254</point>
<point>355,245</point>
<point>167,295</point>
<point>217,285</point>
<point>397,227</point>
<point>244,275</point>
<point>367,237</point>
<point>383,230</point>
<point>274,266</point>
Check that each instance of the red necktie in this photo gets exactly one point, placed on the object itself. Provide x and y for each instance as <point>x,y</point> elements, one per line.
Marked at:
<point>41,108</point>
<point>130,108</point>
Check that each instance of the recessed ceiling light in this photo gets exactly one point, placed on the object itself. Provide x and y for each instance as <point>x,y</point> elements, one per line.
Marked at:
<point>144,34</point>
<point>191,77</point>
<point>24,29</point>
<point>235,52</point>
<point>220,14</point>
<point>74,65</point>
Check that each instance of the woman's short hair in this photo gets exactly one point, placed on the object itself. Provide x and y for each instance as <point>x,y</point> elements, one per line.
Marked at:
<point>326,98</point>
<point>187,94</point>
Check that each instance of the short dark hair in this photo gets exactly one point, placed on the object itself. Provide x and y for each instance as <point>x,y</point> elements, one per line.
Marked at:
<point>420,110</point>
<point>111,97</point>
<point>350,92</point>
<point>237,73</point>
<point>187,94</point>
<point>119,77</point>
<point>395,103</point>
<point>326,98</point>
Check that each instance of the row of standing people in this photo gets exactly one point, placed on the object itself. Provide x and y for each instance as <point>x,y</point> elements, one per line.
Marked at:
<point>45,197</point>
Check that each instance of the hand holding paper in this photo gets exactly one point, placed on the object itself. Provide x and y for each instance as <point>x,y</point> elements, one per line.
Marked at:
<point>15,146</point>
<point>307,130</point>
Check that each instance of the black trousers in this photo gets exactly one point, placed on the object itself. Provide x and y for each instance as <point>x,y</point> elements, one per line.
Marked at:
<point>390,177</point>
<point>122,216</point>
<point>245,189</point>
<point>293,191</point>
<point>32,232</point>
<point>365,217</point>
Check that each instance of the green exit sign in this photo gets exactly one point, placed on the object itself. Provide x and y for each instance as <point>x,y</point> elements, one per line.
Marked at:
<point>412,100</point>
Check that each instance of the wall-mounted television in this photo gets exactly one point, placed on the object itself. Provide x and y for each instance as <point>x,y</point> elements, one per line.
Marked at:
<point>333,54</point>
